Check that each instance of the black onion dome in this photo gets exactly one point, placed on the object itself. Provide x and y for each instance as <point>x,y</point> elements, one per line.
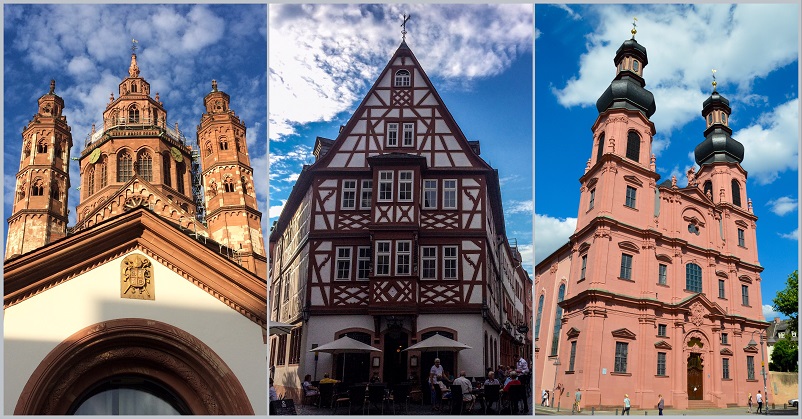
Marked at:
<point>718,145</point>
<point>716,101</point>
<point>627,93</point>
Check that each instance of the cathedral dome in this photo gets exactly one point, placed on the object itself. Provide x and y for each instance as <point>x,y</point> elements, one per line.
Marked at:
<point>718,145</point>
<point>627,89</point>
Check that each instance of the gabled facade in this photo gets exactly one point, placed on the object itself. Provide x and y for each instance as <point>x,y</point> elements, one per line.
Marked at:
<point>658,289</point>
<point>394,233</point>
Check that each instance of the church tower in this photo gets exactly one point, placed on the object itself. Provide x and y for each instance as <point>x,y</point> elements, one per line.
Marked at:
<point>231,210</point>
<point>39,215</point>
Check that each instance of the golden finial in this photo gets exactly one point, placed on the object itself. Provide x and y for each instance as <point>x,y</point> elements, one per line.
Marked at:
<point>714,79</point>
<point>634,25</point>
<point>133,45</point>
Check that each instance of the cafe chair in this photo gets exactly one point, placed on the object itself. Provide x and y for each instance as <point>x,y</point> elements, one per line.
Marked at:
<point>376,396</point>
<point>492,395</point>
<point>326,394</point>
<point>400,396</point>
<point>456,397</point>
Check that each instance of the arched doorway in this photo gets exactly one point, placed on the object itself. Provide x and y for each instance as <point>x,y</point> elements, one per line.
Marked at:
<point>129,395</point>
<point>395,359</point>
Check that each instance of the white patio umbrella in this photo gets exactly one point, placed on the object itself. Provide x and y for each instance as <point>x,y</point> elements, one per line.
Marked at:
<point>345,345</point>
<point>279,328</point>
<point>438,343</point>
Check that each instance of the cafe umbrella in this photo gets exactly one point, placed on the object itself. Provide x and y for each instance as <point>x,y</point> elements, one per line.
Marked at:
<point>438,343</point>
<point>279,328</point>
<point>345,345</point>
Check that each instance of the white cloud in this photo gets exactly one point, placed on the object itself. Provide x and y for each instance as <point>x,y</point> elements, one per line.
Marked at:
<point>463,43</point>
<point>771,145</point>
<point>520,207</point>
<point>783,205</point>
<point>794,235</point>
<point>527,257</point>
<point>571,13</point>
<point>685,42</point>
<point>275,210</point>
<point>769,313</point>
<point>551,233</point>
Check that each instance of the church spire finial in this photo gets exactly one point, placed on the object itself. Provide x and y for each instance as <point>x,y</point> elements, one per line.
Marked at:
<point>133,70</point>
<point>214,85</point>
<point>404,27</point>
<point>52,87</point>
<point>714,79</point>
<point>634,26</point>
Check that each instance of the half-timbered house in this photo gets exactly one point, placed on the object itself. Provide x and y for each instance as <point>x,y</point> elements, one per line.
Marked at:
<point>395,233</point>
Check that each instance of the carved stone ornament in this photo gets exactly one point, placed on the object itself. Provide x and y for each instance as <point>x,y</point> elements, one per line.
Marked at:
<point>698,313</point>
<point>136,278</point>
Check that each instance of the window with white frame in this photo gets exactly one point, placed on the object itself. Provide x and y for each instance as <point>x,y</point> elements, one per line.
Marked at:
<point>403,257</point>
<point>402,78</point>
<point>366,194</point>
<point>450,194</point>
<point>343,263</point>
<point>428,262</point>
<point>392,134</point>
<point>450,262</point>
<point>408,139</point>
<point>429,194</point>
<point>382,258</point>
<point>363,262</point>
<point>385,186</point>
<point>349,194</point>
<point>405,186</point>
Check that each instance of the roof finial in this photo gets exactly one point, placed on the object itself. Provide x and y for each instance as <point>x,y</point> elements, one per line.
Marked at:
<point>52,87</point>
<point>214,85</point>
<point>404,27</point>
<point>634,25</point>
<point>133,45</point>
<point>714,79</point>
<point>133,70</point>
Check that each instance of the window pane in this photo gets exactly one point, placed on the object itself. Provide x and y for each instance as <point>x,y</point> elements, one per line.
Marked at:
<point>693,277</point>
<point>626,266</point>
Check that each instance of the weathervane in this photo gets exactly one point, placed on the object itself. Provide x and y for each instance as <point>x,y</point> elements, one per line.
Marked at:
<point>133,45</point>
<point>714,79</point>
<point>404,27</point>
<point>634,25</point>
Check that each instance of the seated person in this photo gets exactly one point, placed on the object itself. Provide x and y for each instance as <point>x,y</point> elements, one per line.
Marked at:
<point>326,379</point>
<point>309,389</point>
<point>513,381</point>
<point>273,393</point>
<point>491,379</point>
<point>463,382</point>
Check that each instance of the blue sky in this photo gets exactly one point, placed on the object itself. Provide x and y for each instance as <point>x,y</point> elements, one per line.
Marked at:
<point>324,58</point>
<point>87,50</point>
<point>754,49</point>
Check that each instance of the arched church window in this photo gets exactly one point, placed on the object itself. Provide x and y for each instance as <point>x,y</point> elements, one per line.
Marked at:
<point>129,395</point>
<point>633,145</point>
<point>402,78</point>
<point>38,188</point>
<point>133,114</point>
<point>144,166</point>
<point>27,149</point>
<point>180,171</point>
<point>228,184</point>
<point>539,314</point>
<point>736,193</point>
<point>708,188</point>
<point>600,148</point>
<point>125,167</point>
<point>41,147</point>
<point>90,181</point>
<point>223,143</point>
<point>693,277</point>
<point>133,87</point>
<point>555,338</point>
<point>55,191</point>
<point>166,168</point>
<point>104,175</point>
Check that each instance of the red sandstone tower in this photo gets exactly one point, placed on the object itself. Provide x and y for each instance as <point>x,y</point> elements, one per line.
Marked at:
<point>40,203</point>
<point>231,210</point>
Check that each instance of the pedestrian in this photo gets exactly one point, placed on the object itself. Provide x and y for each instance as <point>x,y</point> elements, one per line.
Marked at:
<point>626,405</point>
<point>660,404</point>
<point>749,403</point>
<point>544,397</point>
<point>548,397</point>
<point>578,399</point>
<point>759,398</point>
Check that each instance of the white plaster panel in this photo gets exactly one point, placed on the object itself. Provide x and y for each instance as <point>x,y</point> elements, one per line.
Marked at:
<point>440,127</point>
<point>393,113</point>
<point>441,160</point>
<point>451,143</point>
<point>358,160</point>
<point>438,144</point>
<point>339,160</point>
<point>425,113</point>
<point>460,160</point>
<point>469,182</point>
<point>329,183</point>
<point>476,222</point>
<point>349,143</point>
<point>469,245</point>
<point>320,222</point>
<point>373,100</point>
<point>384,95</point>
<point>385,81</point>
<point>94,297</point>
<point>429,101</point>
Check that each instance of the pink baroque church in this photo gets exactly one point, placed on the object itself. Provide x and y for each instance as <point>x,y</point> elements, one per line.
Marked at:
<point>658,289</point>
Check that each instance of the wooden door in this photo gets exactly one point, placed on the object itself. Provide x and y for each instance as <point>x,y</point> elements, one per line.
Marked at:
<point>695,377</point>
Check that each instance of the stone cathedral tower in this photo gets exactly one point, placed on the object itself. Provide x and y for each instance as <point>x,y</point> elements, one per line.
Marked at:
<point>40,210</point>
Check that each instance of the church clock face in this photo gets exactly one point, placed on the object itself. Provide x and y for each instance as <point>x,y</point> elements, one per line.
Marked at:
<point>177,156</point>
<point>94,156</point>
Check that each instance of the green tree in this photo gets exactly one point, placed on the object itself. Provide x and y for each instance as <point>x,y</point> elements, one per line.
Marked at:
<point>787,301</point>
<point>784,355</point>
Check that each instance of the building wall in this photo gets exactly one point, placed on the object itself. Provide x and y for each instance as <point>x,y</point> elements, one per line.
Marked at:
<point>35,326</point>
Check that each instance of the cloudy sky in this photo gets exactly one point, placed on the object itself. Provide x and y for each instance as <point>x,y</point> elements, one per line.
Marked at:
<point>754,49</point>
<point>87,50</point>
<point>324,58</point>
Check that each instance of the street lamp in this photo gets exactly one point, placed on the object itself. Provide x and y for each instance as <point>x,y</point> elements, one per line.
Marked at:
<point>752,342</point>
<point>554,386</point>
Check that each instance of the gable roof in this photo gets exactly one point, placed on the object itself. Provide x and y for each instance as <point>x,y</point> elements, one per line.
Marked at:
<point>140,229</point>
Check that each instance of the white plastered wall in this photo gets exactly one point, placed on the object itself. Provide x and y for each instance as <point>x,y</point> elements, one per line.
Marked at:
<point>37,325</point>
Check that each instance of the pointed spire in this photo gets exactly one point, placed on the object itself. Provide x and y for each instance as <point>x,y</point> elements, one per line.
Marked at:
<point>133,70</point>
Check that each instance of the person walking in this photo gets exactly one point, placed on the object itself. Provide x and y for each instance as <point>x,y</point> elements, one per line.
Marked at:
<point>749,403</point>
<point>544,397</point>
<point>660,404</point>
<point>759,398</point>
<point>578,399</point>
<point>626,405</point>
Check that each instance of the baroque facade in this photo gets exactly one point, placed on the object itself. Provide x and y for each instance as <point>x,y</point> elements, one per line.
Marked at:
<point>658,289</point>
<point>396,232</point>
<point>156,297</point>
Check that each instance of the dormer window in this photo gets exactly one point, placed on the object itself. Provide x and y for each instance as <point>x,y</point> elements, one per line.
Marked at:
<point>402,78</point>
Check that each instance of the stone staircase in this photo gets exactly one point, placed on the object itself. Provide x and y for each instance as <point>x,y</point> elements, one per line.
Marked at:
<point>700,404</point>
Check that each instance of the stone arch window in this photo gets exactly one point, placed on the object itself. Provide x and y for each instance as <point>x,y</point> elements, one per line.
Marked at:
<point>228,184</point>
<point>166,168</point>
<point>144,166</point>
<point>38,188</point>
<point>708,189</point>
<point>633,146</point>
<point>180,169</point>
<point>41,147</point>
<point>21,191</point>
<point>90,181</point>
<point>736,193</point>
<point>104,175</point>
<point>133,114</point>
<point>133,87</point>
<point>539,314</point>
<point>693,277</point>
<point>55,191</point>
<point>125,167</point>
<point>600,148</point>
<point>223,143</point>
<point>402,78</point>
<point>27,149</point>
<point>555,338</point>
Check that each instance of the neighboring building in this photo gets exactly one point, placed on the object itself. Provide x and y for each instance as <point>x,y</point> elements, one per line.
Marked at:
<point>396,232</point>
<point>778,330</point>
<point>658,289</point>
<point>140,307</point>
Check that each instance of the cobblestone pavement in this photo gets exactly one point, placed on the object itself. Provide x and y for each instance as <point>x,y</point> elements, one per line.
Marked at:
<point>730,411</point>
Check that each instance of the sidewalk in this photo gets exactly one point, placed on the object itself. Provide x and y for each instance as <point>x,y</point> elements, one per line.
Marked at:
<point>730,411</point>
